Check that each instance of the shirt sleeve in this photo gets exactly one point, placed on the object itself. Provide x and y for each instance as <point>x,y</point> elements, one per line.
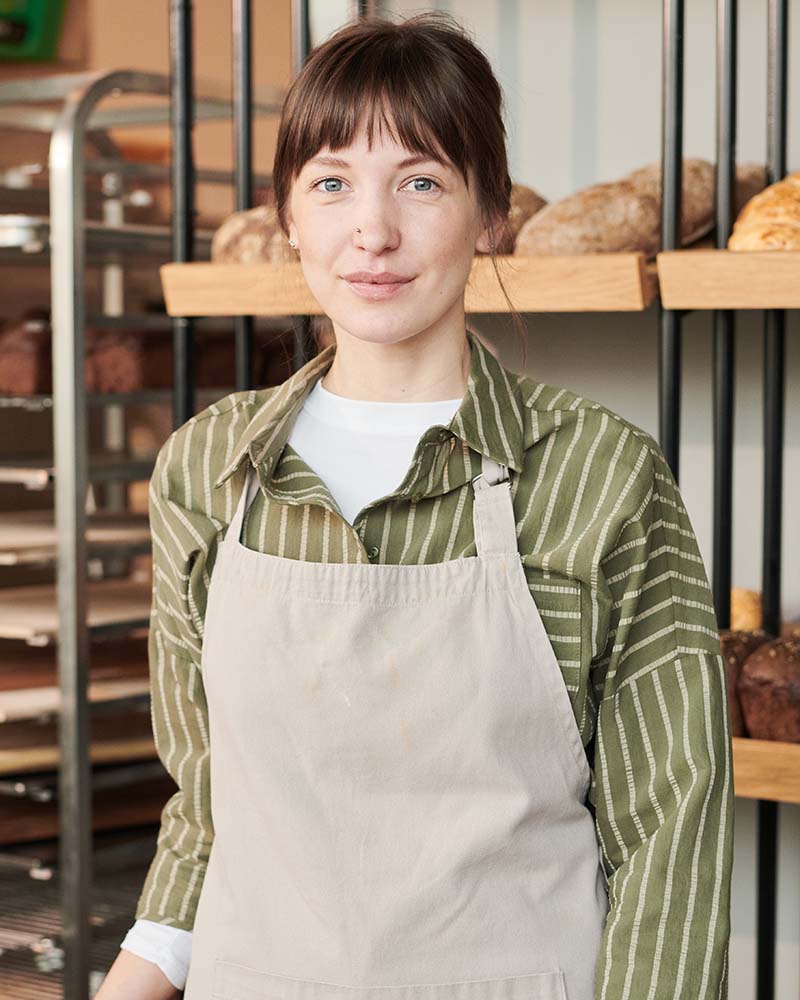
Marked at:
<point>662,789</point>
<point>170,948</point>
<point>178,708</point>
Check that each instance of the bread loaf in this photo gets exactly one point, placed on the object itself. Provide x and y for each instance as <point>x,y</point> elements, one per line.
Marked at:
<point>525,202</point>
<point>790,630</point>
<point>769,691</point>
<point>771,219</point>
<point>252,236</point>
<point>736,647</point>
<point>625,215</point>
<point>745,609</point>
<point>112,358</point>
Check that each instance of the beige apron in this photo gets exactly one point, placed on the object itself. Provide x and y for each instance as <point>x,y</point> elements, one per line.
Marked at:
<point>397,781</point>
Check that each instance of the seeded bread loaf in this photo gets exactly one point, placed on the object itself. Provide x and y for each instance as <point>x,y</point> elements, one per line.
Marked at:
<point>769,691</point>
<point>736,647</point>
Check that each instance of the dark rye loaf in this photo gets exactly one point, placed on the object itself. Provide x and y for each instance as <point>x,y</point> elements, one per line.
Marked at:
<point>769,691</point>
<point>736,647</point>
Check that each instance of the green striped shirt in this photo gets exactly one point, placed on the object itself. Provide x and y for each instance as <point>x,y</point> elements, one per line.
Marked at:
<point>613,565</point>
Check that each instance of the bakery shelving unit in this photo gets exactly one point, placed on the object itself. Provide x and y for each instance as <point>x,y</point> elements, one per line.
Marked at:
<point>680,280</point>
<point>47,624</point>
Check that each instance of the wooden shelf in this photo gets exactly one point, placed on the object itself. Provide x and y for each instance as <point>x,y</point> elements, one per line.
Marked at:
<point>29,536</point>
<point>729,279</point>
<point>30,613</point>
<point>118,737</point>
<point>766,769</point>
<point>131,805</point>
<point>600,282</point>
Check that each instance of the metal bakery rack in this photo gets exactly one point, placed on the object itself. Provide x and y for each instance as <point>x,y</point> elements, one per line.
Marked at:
<point>76,749</point>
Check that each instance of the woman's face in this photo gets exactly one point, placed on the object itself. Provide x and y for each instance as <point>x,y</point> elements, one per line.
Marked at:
<point>418,221</point>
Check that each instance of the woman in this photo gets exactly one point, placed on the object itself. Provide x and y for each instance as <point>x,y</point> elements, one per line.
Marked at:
<point>435,664</point>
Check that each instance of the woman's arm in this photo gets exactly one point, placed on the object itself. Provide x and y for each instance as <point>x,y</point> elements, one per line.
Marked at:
<point>170,948</point>
<point>663,782</point>
<point>181,540</point>
<point>133,978</point>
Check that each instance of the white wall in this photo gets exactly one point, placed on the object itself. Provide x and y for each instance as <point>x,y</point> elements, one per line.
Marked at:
<point>582,83</point>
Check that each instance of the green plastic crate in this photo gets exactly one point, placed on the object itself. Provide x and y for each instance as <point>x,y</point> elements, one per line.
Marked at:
<point>29,29</point>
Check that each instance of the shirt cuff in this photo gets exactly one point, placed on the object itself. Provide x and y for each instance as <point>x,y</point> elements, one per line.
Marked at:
<point>170,948</point>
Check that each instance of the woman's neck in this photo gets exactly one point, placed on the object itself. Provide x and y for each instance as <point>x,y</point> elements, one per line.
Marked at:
<point>411,371</point>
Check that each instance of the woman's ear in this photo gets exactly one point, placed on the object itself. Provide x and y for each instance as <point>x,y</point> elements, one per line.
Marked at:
<point>290,226</point>
<point>489,235</point>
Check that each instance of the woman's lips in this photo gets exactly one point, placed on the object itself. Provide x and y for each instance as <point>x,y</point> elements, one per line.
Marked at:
<point>373,290</point>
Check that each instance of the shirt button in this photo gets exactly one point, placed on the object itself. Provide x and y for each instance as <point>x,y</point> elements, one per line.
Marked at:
<point>373,553</point>
<point>416,497</point>
<point>444,435</point>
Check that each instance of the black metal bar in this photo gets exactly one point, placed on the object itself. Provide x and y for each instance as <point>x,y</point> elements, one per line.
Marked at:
<point>183,184</point>
<point>669,343</point>
<point>724,345</point>
<point>243,164</point>
<point>766,902</point>
<point>301,41</point>
<point>774,394</point>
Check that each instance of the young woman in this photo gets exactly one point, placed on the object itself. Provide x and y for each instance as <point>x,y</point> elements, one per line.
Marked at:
<point>435,664</point>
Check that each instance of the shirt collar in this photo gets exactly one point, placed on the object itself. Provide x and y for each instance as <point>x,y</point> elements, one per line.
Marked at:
<point>490,419</point>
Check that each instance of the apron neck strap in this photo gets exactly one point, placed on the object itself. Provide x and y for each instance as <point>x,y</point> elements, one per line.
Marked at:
<point>493,511</point>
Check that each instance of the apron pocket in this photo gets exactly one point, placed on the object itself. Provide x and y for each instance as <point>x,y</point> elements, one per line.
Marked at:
<point>240,982</point>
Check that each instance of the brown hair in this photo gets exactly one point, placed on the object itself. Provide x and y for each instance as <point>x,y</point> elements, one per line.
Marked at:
<point>439,88</point>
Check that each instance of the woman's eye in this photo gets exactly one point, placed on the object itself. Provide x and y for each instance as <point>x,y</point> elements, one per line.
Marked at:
<point>337,180</point>
<point>425,180</point>
<point>326,180</point>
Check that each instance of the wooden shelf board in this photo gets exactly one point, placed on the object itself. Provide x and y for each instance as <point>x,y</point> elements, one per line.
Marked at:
<point>30,612</point>
<point>766,769</point>
<point>600,282</point>
<point>729,279</point>
<point>30,535</point>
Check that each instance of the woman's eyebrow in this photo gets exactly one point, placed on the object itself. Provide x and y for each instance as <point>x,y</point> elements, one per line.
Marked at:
<point>409,161</point>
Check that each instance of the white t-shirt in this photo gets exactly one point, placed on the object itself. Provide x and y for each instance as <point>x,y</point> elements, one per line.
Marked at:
<point>361,450</point>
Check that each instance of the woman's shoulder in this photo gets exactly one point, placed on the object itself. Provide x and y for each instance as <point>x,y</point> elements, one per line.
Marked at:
<point>581,430</point>
<point>193,455</point>
<point>549,398</point>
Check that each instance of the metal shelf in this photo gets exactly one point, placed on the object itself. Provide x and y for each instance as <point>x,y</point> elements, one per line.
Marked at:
<point>213,100</point>
<point>29,536</point>
<point>38,402</point>
<point>37,473</point>
<point>28,236</point>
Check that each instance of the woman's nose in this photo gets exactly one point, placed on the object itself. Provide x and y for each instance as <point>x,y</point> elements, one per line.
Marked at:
<point>378,227</point>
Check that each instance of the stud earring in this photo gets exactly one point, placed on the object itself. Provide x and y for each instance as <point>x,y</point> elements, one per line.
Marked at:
<point>292,244</point>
